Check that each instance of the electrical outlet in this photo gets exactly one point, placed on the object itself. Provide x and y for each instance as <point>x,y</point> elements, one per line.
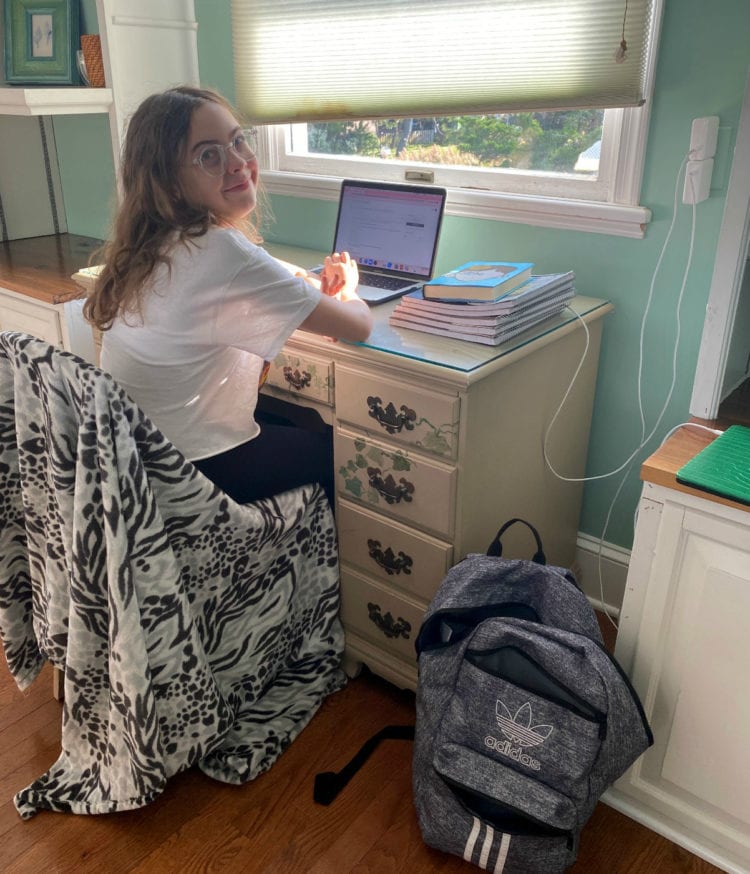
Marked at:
<point>703,135</point>
<point>697,180</point>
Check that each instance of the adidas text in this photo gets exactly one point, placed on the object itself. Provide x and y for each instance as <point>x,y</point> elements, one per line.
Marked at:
<point>505,748</point>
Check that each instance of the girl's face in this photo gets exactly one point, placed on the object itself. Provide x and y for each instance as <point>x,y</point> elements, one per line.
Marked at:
<point>231,195</point>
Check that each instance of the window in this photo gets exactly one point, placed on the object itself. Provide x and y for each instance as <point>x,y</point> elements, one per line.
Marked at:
<point>546,149</point>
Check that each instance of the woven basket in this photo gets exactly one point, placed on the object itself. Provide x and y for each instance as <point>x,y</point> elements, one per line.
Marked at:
<point>92,55</point>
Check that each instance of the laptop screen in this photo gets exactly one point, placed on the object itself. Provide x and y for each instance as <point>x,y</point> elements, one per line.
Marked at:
<point>389,227</point>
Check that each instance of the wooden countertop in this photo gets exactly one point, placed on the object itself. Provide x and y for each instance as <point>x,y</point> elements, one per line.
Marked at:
<point>41,267</point>
<point>661,467</point>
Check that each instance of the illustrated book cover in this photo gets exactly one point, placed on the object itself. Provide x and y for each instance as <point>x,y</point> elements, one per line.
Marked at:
<point>478,280</point>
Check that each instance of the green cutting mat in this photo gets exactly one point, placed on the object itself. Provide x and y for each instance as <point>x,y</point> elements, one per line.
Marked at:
<point>723,467</point>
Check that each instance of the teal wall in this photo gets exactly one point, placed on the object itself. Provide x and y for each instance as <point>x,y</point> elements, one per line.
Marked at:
<point>703,65</point>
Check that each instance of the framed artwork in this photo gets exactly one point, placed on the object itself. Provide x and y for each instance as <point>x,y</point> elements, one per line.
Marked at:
<point>41,39</point>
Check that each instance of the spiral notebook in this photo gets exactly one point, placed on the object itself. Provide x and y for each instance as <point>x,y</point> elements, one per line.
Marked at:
<point>723,467</point>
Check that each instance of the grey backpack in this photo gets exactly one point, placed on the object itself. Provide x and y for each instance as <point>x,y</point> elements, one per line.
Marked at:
<point>523,718</point>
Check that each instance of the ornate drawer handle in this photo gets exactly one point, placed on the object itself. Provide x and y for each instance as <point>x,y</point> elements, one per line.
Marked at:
<point>387,559</point>
<point>389,418</point>
<point>390,627</point>
<point>296,379</point>
<point>393,492</point>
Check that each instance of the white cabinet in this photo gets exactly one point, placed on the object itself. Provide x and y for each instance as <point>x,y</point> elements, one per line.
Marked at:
<point>61,324</point>
<point>684,641</point>
<point>21,313</point>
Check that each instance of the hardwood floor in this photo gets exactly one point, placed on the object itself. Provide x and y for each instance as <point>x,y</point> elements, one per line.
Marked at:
<point>272,825</point>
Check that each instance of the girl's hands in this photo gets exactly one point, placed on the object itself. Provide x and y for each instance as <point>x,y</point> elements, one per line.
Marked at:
<point>340,312</point>
<point>340,276</point>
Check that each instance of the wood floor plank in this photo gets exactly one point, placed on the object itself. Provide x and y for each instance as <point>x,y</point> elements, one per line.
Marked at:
<point>16,705</point>
<point>364,830</point>
<point>271,825</point>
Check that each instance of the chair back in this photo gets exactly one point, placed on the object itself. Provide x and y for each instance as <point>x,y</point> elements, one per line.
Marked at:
<point>183,621</point>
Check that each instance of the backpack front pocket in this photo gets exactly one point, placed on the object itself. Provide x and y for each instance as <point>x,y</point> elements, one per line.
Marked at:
<point>509,710</point>
<point>510,801</point>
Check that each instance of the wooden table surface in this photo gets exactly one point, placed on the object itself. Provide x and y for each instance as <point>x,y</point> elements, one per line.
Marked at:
<point>41,267</point>
<point>661,467</point>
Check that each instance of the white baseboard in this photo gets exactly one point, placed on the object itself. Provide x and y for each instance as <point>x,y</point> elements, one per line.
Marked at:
<point>601,570</point>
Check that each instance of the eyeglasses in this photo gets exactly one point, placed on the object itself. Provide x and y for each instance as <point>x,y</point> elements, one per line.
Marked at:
<point>213,159</point>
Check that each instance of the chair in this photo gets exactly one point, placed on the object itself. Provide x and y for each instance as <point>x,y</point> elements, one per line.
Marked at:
<point>190,629</point>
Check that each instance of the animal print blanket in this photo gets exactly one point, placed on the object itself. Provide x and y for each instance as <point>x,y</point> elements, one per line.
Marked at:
<point>191,629</point>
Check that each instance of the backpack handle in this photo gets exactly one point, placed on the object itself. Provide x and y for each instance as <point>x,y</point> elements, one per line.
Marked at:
<point>496,548</point>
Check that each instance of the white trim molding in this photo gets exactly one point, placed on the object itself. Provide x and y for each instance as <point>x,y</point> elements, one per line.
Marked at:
<point>594,558</point>
<point>535,210</point>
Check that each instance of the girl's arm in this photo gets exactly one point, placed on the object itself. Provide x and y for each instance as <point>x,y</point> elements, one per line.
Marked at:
<point>341,312</point>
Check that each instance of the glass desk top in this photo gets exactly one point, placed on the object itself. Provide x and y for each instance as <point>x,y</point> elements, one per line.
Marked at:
<point>459,355</point>
<point>464,355</point>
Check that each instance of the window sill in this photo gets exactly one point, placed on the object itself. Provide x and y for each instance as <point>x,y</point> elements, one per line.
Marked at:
<point>548,212</point>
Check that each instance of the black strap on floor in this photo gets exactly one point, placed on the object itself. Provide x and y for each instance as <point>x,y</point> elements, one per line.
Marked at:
<point>328,784</point>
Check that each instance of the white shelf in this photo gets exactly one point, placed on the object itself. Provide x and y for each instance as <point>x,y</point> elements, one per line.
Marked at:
<point>54,101</point>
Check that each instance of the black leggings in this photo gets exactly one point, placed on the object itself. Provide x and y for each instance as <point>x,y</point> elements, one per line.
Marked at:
<point>281,457</point>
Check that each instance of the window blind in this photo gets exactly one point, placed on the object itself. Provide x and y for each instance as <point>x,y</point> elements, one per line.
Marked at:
<point>306,60</point>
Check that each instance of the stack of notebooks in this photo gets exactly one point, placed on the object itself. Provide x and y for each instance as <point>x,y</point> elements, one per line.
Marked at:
<point>484,302</point>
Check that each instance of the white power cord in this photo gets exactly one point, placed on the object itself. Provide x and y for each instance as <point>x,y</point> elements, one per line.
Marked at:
<point>644,439</point>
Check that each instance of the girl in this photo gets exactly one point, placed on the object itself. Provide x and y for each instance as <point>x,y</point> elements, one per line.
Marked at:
<point>190,306</point>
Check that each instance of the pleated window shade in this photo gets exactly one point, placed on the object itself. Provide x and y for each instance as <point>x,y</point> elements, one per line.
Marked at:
<point>306,60</point>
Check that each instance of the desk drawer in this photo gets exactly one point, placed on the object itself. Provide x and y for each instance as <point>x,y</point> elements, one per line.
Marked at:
<point>306,376</point>
<point>378,614</point>
<point>401,484</point>
<point>393,553</point>
<point>399,411</point>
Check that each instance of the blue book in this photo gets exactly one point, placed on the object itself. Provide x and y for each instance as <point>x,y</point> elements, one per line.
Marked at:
<point>478,281</point>
<point>541,287</point>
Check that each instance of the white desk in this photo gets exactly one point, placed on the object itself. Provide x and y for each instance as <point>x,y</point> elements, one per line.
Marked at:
<point>437,443</point>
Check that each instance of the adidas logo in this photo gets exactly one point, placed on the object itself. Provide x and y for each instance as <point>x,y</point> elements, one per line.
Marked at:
<point>518,729</point>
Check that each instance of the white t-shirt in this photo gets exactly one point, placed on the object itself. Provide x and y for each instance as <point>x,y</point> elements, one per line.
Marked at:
<point>192,363</point>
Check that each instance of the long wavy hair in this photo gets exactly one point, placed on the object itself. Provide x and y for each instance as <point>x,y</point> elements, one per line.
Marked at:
<point>153,208</point>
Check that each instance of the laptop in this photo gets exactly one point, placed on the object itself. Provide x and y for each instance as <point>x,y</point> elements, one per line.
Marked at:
<point>391,230</point>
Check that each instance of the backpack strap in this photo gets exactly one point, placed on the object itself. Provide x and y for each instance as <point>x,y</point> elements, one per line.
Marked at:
<point>328,784</point>
<point>496,548</point>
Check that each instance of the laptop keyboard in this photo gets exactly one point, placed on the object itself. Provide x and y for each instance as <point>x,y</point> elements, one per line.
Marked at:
<point>377,280</point>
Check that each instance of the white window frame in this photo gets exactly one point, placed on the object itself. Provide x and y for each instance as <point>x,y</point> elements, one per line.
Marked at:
<point>610,205</point>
